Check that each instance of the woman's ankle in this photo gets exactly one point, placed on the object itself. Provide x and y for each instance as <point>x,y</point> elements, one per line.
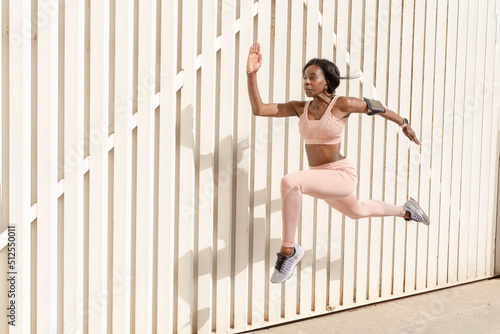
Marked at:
<point>288,251</point>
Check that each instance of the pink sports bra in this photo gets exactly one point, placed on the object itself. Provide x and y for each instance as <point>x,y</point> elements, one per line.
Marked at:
<point>327,130</point>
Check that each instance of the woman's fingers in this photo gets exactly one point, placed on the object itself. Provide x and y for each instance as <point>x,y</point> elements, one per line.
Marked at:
<point>414,139</point>
<point>411,135</point>
<point>255,48</point>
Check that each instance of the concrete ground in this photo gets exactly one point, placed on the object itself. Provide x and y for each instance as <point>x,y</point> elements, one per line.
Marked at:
<point>471,308</point>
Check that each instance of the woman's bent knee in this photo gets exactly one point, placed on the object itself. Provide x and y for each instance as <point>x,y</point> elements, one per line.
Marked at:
<point>289,182</point>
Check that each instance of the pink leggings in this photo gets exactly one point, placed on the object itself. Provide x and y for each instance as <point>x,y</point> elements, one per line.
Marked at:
<point>333,182</point>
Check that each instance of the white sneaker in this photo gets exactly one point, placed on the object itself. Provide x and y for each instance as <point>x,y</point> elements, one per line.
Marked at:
<point>285,266</point>
<point>416,212</point>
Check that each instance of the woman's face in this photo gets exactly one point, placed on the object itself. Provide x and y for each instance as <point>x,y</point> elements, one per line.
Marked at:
<point>314,81</point>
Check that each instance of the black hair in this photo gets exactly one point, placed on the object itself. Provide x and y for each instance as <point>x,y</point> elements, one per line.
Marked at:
<point>330,71</point>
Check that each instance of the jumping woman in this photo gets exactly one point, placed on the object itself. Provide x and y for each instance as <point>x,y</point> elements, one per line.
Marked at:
<point>330,177</point>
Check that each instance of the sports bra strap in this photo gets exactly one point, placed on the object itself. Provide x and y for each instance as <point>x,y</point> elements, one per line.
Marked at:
<point>330,106</point>
<point>328,109</point>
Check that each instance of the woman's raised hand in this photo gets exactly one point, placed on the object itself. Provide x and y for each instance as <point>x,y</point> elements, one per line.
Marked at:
<point>254,58</point>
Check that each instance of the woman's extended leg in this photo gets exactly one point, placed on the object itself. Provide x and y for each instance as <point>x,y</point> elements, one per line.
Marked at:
<point>336,188</point>
<point>351,207</point>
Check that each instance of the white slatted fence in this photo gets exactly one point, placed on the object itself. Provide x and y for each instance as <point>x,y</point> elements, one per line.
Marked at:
<point>141,195</point>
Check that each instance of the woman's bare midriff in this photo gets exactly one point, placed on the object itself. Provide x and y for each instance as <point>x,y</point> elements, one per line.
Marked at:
<point>318,155</point>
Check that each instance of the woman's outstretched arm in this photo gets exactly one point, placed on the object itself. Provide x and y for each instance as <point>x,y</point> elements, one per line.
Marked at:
<point>258,107</point>
<point>355,105</point>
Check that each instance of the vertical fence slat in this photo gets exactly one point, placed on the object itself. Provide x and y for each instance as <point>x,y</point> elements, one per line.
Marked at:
<point>333,264</point>
<point>376,148</point>
<point>309,206</point>
<point>305,279</point>
<point>4,12</point>
<point>437,145</point>
<point>277,145</point>
<point>484,224</point>
<point>73,158</point>
<point>205,204</point>
<point>479,113</point>
<point>447,136</point>
<point>496,128</point>
<point>428,236</point>
<point>416,236</point>
<point>496,265</point>
<point>363,151</point>
<point>86,175</point>
<point>4,196</point>
<point>122,166</point>
<point>4,148</point>
<point>20,153</point>
<point>458,120</point>
<point>224,178</point>
<point>321,237</point>
<point>47,108</point>
<point>352,144</point>
<point>490,211</point>
<point>186,173</point>
<point>403,145</point>
<point>98,165</point>
<point>394,51</point>
<point>475,118</point>
<point>347,242</point>
<point>358,147</point>
<point>320,255</point>
<point>3,122</point>
<point>467,226</point>
<point>393,70</point>
<point>279,154</point>
<point>293,162</point>
<point>242,167</point>
<point>145,150</point>
<point>166,195</point>
<point>381,34</point>
<point>261,256</point>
